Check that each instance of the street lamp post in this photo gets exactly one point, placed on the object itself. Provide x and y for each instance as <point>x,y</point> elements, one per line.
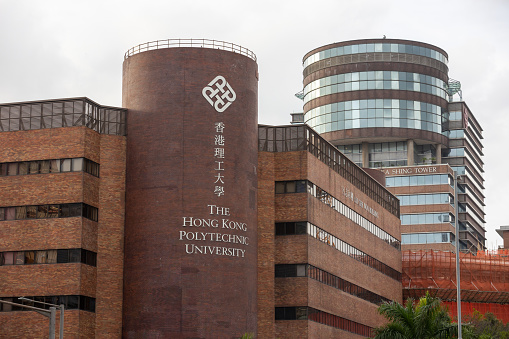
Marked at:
<point>61,307</point>
<point>51,313</point>
<point>457,243</point>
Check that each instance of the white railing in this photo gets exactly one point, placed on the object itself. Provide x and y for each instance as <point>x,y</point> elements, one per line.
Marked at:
<point>196,43</point>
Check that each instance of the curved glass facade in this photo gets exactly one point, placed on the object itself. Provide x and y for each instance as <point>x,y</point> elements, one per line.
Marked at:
<point>375,48</point>
<point>375,113</point>
<point>356,81</point>
<point>427,238</point>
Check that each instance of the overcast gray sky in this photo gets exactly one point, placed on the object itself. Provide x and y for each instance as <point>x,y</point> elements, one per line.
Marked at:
<point>61,48</point>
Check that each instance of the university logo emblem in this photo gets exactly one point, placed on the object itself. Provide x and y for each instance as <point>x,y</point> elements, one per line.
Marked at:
<point>219,94</point>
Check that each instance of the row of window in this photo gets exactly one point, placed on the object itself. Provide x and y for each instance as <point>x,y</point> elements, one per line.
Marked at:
<point>309,313</point>
<point>455,134</point>
<point>456,116</point>
<point>419,180</point>
<point>472,213</point>
<point>426,199</point>
<point>301,186</point>
<point>49,211</point>
<point>352,252</point>
<point>427,218</point>
<point>373,76</point>
<point>352,152</point>
<point>50,166</point>
<point>427,238</point>
<point>331,117</point>
<point>375,48</point>
<point>306,270</point>
<point>70,302</point>
<point>401,104</point>
<point>358,219</point>
<point>61,256</point>
<point>362,85</point>
<point>55,114</point>
<point>303,227</point>
<point>387,154</point>
<point>291,228</point>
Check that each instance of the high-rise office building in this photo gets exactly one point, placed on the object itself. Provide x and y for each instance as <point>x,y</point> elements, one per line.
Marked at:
<point>387,104</point>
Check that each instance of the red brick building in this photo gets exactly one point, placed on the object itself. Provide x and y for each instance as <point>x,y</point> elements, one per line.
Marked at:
<point>335,248</point>
<point>178,216</point>
<point>62,207</point>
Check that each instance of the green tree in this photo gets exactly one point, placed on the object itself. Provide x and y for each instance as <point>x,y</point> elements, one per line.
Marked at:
<point>487,326</point>
<point>425,319</point>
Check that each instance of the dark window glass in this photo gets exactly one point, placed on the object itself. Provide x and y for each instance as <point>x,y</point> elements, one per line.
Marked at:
<point>301,313</point>
<point>75,255</point>
<point>73,302</point>
<point>301,186</point>
<point>280,228</point>
<point>301,227</point>
<point>75,210</point>
<point>62,256</point>
<point>29,257</point>
<point>3,169</point>
<point>64,211</point>
<point>280,187</point>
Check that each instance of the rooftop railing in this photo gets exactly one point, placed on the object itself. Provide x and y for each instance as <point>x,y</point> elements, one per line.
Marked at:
<point>196,43</point>
<point>304,138</point>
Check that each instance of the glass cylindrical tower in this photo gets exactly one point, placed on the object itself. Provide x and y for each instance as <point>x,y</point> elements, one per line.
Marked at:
<point>190,233</point>
<point>378,96</point>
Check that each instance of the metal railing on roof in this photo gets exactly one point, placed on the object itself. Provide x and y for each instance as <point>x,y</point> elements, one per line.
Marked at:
<point>196,43</point>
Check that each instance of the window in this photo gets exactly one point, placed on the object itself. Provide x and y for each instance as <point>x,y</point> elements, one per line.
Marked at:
<point>71,302</point>
<point>290,228</point>
<point>50,166</point>
<point>49,211</point>
<point>298,186</point>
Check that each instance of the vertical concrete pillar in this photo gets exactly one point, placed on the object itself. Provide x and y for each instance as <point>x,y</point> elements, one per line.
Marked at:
<point>365,154</point>
<point>410,152</point>
<point>439,153</point>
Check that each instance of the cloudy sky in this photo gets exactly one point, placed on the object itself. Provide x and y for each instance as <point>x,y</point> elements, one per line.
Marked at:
<point>57,49</point>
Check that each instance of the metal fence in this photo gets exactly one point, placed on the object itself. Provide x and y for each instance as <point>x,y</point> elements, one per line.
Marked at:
<point>303,138</point>
<point>196,43</point>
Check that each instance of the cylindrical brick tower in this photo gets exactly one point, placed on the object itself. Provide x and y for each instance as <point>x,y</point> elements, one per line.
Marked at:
<point>190,233</point>
<point>378,96</point>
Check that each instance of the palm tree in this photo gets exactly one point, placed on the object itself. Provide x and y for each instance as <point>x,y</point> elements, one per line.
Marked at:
<point>424,320</point>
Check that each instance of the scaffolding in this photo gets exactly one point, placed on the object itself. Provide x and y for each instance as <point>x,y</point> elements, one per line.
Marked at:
<point>484,279</point>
